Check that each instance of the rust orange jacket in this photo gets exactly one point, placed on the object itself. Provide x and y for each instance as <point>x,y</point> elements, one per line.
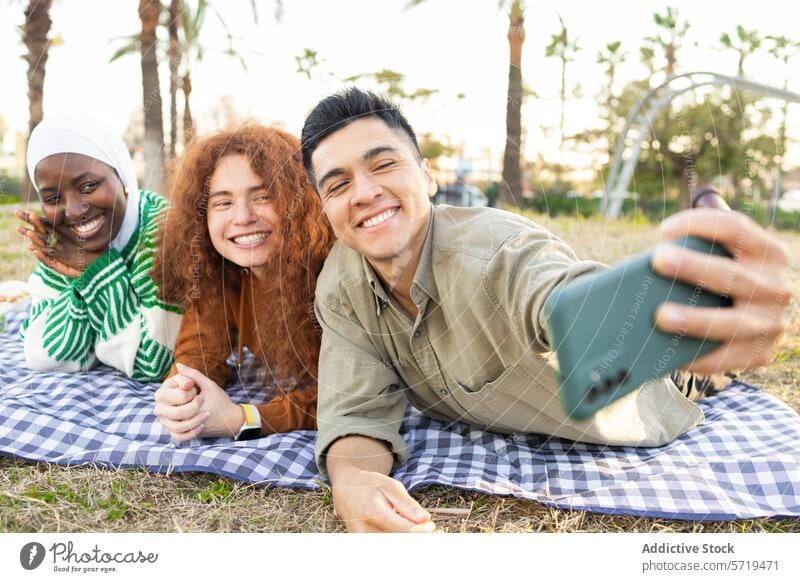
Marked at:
<point>206,339</point>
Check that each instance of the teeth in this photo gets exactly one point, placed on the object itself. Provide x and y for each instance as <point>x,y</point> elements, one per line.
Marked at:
<point>88,226</point>
<point>380,218</point>
<point>250,239</point>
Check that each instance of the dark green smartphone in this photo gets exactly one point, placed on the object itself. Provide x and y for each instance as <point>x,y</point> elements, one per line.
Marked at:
<point>602,329</point>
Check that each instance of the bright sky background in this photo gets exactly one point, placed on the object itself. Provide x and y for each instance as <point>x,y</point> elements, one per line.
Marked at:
<point>456,47</point>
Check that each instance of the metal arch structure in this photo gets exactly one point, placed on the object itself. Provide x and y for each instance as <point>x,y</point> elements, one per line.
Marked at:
<point>640,119</point>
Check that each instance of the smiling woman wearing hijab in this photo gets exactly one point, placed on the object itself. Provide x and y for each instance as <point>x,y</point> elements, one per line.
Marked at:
<point>93,298</point>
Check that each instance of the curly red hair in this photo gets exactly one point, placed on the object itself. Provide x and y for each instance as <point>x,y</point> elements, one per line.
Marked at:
<point>187,267</point>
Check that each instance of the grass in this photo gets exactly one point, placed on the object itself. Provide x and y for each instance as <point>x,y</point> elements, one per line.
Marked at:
<point>44,497</point>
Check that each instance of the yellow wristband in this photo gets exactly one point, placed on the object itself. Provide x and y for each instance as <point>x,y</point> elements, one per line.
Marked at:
<point>251,416</point>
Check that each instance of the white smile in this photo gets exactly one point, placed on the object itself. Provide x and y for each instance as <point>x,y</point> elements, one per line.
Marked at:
<point>250,239</point>
<point>376,220</point>
<point>90,227</point>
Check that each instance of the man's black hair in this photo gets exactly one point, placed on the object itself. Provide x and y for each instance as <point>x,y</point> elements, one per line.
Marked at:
<point>340,109</point>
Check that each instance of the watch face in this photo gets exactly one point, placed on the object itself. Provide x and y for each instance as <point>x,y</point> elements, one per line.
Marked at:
<point>248,433</point>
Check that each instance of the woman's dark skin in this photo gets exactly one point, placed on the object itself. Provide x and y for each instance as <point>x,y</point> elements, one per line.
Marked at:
<point>75,191</point>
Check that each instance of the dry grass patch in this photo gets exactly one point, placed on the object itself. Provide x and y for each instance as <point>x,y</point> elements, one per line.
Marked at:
<point>43,497</point>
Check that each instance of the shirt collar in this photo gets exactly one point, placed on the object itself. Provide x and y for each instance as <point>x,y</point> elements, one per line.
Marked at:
<point>381,297</point>
<point>424,282</point>
<point>422,286</point>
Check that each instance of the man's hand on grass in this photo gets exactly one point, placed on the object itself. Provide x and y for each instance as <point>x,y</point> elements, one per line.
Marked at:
<point>371,502</point>
<point>364,496</point>
<point>755,280</point>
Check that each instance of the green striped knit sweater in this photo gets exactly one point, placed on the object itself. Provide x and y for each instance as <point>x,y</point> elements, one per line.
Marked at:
<point>110,313</point>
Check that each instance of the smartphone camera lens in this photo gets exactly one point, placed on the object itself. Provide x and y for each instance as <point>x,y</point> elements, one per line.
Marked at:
<point>608,385</point>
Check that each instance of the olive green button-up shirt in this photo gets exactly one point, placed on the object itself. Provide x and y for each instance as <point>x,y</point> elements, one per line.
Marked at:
<point>477,350</point>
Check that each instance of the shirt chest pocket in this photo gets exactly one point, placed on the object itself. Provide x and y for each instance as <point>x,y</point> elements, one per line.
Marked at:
<point>489,404</point>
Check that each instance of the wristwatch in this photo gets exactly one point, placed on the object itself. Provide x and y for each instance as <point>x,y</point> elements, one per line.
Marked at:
<point>251,429</point>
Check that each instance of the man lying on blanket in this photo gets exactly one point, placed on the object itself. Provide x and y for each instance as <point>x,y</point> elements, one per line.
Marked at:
<point>441,306</point>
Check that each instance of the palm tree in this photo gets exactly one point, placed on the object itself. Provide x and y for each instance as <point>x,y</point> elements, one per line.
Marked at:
<point>510,191</point>
<point>34,35</point>
<point>192,52</point>
<point>562,48</point>
<point>149,13</point>
<point>611,57</point>
<point>183,51</point>
<point>132,45</point>
<point>174,58</point>
<point>191,21</point>
<point>747,42</point>
<point>669,38</point>
<point>784,49</point>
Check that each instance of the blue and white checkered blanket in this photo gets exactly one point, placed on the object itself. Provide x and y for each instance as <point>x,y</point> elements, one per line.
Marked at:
<point>743,462</point>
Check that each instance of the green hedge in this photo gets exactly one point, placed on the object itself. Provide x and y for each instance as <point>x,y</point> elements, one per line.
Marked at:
<point>559,204</point>
<point>10,189</point>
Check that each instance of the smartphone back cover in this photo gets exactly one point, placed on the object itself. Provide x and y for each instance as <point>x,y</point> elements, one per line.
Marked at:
<point>602,329</point>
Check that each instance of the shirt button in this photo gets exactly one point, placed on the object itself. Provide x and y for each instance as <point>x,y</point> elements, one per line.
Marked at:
<point>443,391</point>
<point>416,333</point>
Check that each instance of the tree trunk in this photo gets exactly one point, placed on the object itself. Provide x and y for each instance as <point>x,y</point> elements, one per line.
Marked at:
<point>174,64</point>
<point>511,186</point>
<point>558,187</point>
<point>188,123</point>
<point>671,59</point>
<point>687,182</point>
<point>34,35</point>
<point>149,11</point>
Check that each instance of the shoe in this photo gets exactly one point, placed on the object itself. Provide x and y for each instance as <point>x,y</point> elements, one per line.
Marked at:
<point>707,197</point>
<point>696,387</point>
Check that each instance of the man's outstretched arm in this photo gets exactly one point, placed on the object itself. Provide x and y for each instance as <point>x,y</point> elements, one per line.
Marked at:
<point>361,405</point>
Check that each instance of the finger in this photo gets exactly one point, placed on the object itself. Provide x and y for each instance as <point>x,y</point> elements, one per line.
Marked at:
<point>721,275</point>
<point>397,496</point>
<point>180,412</point>
<point>725,324</point>
<point>384,518</point>
<point>182,426</point>
<point>40,224</point>
<point>39,240</point>
<point>182,382</point>
<point>736,356</point>
<point>738,233</point>
<point>189,435</point>
<point>427,527</point>
<point>174,396</point>
<point>27,217</point>
<point>200,380</point>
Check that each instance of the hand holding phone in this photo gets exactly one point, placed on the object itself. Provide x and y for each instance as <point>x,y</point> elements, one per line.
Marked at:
<point>602,329</point>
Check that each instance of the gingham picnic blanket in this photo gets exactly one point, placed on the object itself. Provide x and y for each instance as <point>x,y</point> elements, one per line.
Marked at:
<point>742,462</point>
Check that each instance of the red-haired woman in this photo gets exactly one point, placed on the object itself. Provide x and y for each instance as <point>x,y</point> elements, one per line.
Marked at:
<point>240,250</point>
